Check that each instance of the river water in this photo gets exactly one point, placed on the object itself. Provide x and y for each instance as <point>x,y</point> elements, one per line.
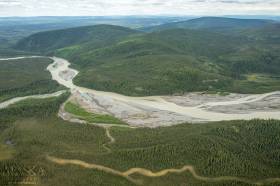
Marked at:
<point>63,74</point>
<point>152,110</point>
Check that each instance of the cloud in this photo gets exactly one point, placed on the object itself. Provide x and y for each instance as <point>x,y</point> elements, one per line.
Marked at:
<point>9,3</point>
<point>137,7</point>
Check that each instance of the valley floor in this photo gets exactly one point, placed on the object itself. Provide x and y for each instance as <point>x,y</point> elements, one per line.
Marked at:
<point>243,153</point>
<point>157,111</point>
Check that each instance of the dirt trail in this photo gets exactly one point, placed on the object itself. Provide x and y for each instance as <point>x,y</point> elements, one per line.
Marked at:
<point>108,134</point>
<point>90,166</point>
<point>148,173</point>
<point>111,138</point>
<point>145,172</point>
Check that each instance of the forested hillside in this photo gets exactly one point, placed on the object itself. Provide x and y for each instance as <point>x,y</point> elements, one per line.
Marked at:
<point>30,132</point>
<point>209,54</point>
<point>24,77</point>
<point>98,36</point>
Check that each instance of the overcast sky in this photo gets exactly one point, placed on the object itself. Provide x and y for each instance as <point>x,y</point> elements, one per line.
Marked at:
<point>138,7</point>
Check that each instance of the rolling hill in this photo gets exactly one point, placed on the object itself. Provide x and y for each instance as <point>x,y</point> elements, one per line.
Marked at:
<point>176,60</point>
<point>98,36</point>
<point>12,29</point>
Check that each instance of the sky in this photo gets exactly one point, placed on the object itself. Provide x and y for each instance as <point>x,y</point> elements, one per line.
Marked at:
<point>137,7</point>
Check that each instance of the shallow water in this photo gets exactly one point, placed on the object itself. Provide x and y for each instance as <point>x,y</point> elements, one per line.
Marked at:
<point>200,113</point>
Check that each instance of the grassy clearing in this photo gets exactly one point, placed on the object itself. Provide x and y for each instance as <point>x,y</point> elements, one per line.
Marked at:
<point>255,87</point>
<point>263,78</point>
<point>91,117</point>
<point>6,152</point>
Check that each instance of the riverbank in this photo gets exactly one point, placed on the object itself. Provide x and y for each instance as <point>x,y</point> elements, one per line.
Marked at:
<point>155,111</point>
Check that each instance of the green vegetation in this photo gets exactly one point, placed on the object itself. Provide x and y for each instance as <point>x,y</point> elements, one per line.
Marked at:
<point>123,60</point>
<point>207,54</point>
<point>90,117</point>
<point>30,108</point>
<point>240,148</point>
<point>12,29</point>
<point>257,82</point>
<point>30,130</point>
<point>6,52</point>
<point>94,36</point>
<point>24,77</point>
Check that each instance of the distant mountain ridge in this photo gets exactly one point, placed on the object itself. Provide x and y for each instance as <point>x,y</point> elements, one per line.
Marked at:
<point>213,23</point>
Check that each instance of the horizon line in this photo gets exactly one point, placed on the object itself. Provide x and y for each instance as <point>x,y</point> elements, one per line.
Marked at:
<point>148,15</point>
